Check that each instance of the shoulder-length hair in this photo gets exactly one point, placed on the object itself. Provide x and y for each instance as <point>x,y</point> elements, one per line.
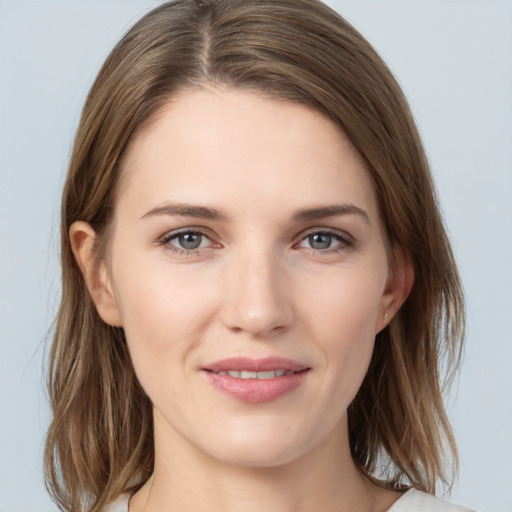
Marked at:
<point>100,442</point>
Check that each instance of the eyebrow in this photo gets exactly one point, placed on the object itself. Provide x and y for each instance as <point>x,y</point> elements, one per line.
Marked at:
<point>208,213</point>
<point>186,210</point>
<point>331,211</point>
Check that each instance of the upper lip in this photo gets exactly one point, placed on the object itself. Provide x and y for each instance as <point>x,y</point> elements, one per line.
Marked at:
<point>255,365</point>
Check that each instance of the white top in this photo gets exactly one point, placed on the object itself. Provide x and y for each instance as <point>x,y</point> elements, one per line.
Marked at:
<point>417,501</point>
<point>411,501</point>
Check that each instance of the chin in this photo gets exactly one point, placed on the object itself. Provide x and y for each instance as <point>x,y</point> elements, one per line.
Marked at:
<point>259,445</point>
<point>257,456</point>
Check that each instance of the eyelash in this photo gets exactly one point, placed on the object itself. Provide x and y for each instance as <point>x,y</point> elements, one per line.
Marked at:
<point>168,237</point>
<point>345,241</point>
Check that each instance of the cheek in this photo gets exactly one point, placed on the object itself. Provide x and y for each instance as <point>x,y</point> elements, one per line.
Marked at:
<point>163,316</point>
<point>346,304</point>
<point>343,314</point>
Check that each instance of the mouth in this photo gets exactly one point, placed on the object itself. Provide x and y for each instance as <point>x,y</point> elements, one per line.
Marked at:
<point>246,374</point>
<point>249,368</point>
<point>256,380</point>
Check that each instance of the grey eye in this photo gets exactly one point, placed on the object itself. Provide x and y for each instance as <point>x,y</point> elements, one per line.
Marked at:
<point>190,240</point>
<point>320,241</point>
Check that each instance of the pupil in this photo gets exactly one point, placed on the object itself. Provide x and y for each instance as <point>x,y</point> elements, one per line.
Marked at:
<point>320,241</point>
<point>190,240</point>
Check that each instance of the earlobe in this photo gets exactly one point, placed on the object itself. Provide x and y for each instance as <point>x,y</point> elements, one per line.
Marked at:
<point>398,287</point>
<point>82,237</point>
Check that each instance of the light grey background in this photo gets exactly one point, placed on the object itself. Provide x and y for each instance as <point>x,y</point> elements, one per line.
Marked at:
<point>454,61</point>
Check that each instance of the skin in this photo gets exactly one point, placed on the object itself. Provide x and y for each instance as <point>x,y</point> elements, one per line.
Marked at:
<point>258,285</point>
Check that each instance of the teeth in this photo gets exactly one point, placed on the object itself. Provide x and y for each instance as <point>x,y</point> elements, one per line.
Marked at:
<point>256,375</point>
<point>267,375</point>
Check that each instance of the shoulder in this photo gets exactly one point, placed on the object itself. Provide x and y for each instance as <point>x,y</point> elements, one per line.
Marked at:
<point>417,501</point>
<point>120,505</point>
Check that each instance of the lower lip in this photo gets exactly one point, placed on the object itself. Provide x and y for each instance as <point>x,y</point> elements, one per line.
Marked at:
<point>256,391</point>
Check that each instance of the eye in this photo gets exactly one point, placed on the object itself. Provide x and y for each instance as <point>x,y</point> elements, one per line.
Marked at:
<point>325,241</point>
<point>190,240</point>
<point>320,240</point>
<point>185,241</point>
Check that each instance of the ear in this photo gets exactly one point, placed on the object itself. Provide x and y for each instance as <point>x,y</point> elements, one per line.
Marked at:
<point>398,287</point>
<point>82,238</point>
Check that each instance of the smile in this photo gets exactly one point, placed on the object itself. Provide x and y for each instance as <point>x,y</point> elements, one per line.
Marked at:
<point>244,374</point>
<point>256,381</point>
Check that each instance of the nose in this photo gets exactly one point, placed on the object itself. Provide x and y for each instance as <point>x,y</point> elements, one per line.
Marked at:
<point>257,300</point>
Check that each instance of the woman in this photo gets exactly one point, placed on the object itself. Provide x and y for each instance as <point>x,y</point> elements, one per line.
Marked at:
<point>258,292</point>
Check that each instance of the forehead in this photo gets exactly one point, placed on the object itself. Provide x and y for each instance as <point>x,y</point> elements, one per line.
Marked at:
<point>237,149</point>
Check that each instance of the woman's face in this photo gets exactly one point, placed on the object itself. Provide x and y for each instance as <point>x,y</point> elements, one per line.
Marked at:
<point>247,239</point>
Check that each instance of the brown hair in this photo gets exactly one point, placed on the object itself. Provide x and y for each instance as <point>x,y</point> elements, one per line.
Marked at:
<point>100,441</point>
